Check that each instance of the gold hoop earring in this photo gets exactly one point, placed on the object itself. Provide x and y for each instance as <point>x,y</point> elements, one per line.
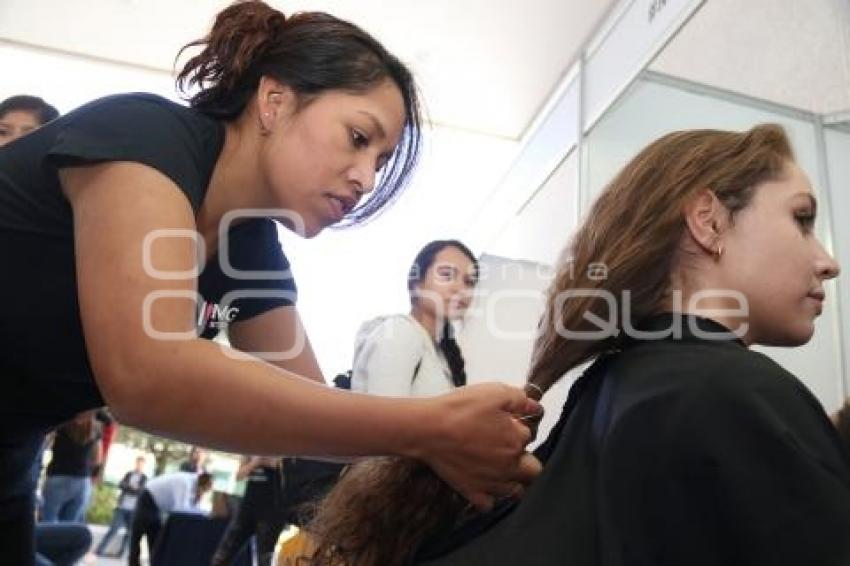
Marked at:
<point>719,251</point>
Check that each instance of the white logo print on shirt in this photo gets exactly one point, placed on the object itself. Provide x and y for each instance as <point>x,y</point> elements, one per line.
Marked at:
<point>212,315</point>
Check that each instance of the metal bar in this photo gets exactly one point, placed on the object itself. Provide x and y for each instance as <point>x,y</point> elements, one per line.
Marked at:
<point>837,118</point>
<point>581,165</point>
<point>829,244</point>
<point>716,92</point>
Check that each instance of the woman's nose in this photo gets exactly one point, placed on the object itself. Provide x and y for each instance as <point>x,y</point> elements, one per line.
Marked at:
<point>362,176</point>
<point>826,266</point>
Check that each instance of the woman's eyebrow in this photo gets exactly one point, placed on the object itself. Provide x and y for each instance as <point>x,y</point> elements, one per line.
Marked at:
<point>381,132</point>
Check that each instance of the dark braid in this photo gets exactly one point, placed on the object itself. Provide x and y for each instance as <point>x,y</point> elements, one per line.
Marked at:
<point>451,350</point>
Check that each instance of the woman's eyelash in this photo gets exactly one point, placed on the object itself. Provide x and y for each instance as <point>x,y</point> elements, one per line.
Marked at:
<point>358,139</point>
<point>805,219</point>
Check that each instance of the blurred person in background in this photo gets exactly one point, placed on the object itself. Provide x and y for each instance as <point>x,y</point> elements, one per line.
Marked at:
<point>22,114</point>
<point>169,493</point>
<point>76,453</point>
<point>197,461</point>
<point>131,487</point>
<point>259,514</point>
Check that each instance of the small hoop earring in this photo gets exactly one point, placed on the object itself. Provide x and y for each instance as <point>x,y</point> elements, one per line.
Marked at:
<point>719,251</point>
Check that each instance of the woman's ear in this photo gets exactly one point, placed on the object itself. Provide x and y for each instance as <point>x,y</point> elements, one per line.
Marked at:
<point>705,217</point>
<point>275,101</point>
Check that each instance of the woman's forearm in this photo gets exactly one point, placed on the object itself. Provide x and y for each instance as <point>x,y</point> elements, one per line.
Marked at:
<point>195,392</point>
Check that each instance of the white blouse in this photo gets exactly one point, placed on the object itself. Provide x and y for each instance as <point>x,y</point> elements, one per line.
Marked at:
<point>387,352</point>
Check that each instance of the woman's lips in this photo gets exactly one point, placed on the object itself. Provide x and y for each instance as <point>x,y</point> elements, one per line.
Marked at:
<point>818,299</point>
<point>340,205</point>
<point>337,208</point>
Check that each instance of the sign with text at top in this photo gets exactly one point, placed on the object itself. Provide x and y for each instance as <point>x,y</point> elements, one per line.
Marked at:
<point>625,46</point>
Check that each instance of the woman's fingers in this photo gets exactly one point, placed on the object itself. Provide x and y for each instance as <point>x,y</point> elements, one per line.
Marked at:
<point>480,448</point>
<point>518,402</point>
<point>529,468</point>
<point>532,421</point>
<point>481,501</point>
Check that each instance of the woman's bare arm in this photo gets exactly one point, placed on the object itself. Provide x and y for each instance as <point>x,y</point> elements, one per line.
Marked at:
<point>278,336</point>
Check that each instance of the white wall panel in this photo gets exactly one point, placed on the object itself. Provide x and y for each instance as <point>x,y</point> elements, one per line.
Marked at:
<point>838,160</point>
<point>545,224</point>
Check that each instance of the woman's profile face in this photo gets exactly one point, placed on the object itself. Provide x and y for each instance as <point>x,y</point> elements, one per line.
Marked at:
<point>771,255</point>
<point>15,123</point>
<point>321,159</point>
<point>446,288</point>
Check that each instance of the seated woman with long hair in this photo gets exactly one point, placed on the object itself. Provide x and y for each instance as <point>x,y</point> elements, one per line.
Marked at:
<point>679,445</point>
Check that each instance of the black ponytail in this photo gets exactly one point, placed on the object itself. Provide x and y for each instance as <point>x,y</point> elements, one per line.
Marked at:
<point>226,71</point>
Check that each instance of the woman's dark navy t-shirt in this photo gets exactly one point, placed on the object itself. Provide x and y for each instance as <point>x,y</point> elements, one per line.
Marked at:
<point>44,369</point>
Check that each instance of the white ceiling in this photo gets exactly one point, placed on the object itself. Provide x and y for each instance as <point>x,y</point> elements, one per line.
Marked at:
<point>488,66</point>
<point>787,51</point>
<point>483,65</point>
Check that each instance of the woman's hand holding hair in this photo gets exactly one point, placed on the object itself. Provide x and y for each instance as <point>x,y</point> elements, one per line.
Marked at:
<point>478,445</point>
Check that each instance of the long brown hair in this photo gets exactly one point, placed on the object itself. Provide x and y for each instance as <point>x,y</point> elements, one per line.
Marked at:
<point>311,52</point>
<point>380,513</point>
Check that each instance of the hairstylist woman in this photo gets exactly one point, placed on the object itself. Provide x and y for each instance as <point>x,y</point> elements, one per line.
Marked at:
<point>97,213</point>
